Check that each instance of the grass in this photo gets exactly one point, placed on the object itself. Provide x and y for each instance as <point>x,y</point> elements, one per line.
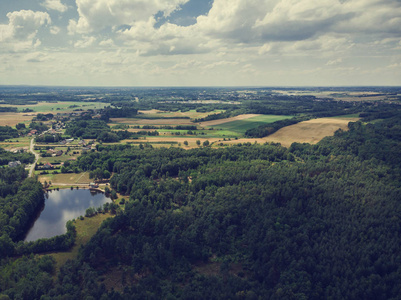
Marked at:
<point>16,143</point>
<point>85,230</point>
<point>241,126</point>
<point>66,179</point>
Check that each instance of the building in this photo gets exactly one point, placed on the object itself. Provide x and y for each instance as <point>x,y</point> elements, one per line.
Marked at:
<point>13,164</point>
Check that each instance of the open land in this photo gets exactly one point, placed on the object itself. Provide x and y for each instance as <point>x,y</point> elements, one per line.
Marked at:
<point>12,119</point>
<point>311,131</point>
<point>54,107</point>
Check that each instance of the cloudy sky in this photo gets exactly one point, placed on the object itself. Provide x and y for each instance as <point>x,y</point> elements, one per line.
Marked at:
<point>200,42</point>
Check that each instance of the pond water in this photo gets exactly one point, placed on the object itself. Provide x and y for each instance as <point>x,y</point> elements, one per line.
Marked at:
<point>61,206</point>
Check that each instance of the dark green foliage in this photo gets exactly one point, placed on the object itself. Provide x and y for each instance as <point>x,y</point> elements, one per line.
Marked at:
<point>6,132</point>
<point>6,157</point>
<point>43,117</point>
<point>312,222</point>
<point>26,277</point>
<point>87,128</point>
<point>39,126</point>
<point>49,138</point>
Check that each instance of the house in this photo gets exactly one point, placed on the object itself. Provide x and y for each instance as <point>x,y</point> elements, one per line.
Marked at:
<point>13,164</point>
<point>48,166</point>
<point>59,153</point>
<point>93,185</point>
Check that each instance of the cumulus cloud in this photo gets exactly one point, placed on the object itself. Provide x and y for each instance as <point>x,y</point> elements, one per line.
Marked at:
<point>20,32</point>
<point>95,15</point>
<point>25,23</point>
<point>55,5</point>
<point>85,42</point>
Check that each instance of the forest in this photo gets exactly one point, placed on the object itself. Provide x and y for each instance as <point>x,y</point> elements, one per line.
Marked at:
<point>247,221</point>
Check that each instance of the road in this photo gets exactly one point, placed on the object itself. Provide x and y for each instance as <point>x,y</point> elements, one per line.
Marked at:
<point>32,168</point>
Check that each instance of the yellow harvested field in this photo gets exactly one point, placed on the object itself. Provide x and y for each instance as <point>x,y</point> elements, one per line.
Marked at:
<point>311,132</point>
<point>130,121</point>
<point>12,119</point>
<point>222,121</point>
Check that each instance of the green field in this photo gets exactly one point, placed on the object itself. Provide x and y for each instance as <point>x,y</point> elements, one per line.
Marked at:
<point>241,126</point>
<point>41,107</point>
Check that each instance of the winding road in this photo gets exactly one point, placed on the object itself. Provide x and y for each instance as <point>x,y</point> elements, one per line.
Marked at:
<point>32,168</point>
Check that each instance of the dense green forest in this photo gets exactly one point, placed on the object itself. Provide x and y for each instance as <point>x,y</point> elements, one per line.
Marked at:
<point>248,221</point>
<point>236,222</point>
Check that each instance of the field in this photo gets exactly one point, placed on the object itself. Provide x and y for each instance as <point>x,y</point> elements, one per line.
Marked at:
<point>222,121</point>
<point>12,119</point>
<point>54,107</point>
<point>20,142</point>
<point>70,179</point>
<point>242,125</point>
<point>311,131</point>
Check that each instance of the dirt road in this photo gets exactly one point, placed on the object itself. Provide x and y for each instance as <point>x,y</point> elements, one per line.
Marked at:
<point>32,168</point>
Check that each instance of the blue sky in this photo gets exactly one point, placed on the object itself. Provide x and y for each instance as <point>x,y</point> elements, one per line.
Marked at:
<point>200,42</point>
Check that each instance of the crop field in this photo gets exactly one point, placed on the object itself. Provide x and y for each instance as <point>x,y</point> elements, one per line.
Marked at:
<point>311,131</point>
<point>242,125</point>
<point>12,119</point>
<point>54,107</point>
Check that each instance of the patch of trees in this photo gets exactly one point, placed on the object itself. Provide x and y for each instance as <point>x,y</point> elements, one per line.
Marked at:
<point>49,138</point>
<point>39,126</point>
<point>6,132</point>
<point>8,109</point>
<point>27,277</point>
<point>124,112</point>
<point>6,157</point>
<point>88,128</point>
<point>43,117</point>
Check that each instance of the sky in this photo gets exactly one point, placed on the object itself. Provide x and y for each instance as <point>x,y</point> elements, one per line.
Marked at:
<point>200,42</point>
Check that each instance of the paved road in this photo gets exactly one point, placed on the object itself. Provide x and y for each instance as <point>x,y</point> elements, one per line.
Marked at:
<point>32,168</point>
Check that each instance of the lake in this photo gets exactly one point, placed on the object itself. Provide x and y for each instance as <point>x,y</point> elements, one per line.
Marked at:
<point>61,206</point>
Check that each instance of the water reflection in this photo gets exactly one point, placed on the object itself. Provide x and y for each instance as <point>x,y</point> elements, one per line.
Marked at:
<point>61,206</point>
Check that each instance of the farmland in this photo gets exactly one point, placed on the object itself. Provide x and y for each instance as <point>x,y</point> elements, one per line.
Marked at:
<point>43,107</point>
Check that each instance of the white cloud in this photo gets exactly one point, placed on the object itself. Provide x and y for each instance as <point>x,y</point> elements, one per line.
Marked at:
<point>334,62</point>
<point>55,5</point>
<point>85,42</point>
<point>20,32</point>
<point>107,43</point>
<point>25,23</point>
<point>95,15</point>
<point>54,30</point>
